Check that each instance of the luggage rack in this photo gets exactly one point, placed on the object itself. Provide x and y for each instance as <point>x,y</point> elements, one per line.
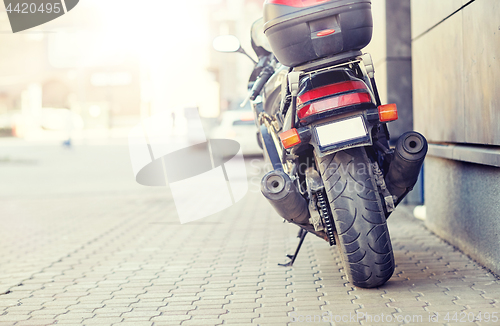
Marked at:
<point>330,62</point>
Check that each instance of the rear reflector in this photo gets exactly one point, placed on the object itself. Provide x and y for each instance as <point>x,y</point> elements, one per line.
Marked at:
<point>333,103</point>
<point>296,3</point>
<point>326,32</point>
<point>388,112</point>
<point>290,138</point>
<point>330,90</point>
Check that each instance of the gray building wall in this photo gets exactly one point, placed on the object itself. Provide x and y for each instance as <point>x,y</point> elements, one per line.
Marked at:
<point>463,205</point>
<point>456,105</point>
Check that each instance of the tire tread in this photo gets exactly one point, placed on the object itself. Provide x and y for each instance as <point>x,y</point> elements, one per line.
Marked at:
<point>359,217</point>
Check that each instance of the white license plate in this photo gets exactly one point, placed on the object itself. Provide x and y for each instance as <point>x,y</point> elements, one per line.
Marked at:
<point>341,131</point>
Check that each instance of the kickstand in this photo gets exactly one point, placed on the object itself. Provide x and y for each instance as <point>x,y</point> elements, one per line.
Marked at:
<point>302,235</point>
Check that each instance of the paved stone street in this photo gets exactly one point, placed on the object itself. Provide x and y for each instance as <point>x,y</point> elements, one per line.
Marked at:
<point>82,243</point>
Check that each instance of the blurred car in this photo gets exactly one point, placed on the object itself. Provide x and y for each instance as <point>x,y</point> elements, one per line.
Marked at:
<point>239,125</point>
<point>7,124</point>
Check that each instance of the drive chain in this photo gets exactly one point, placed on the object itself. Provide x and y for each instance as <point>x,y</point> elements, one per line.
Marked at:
<point>327,217</point>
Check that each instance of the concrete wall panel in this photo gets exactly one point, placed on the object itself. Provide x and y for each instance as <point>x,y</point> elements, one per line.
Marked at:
<point>431,12</point>
<point>438,100</point>
<point>462,207</point>
<point>457,101</point>
<point>481,72</point>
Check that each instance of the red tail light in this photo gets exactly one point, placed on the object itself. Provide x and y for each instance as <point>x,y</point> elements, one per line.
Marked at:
<point>333,103</point>
<point>297,3</point>
<point>314,102</point>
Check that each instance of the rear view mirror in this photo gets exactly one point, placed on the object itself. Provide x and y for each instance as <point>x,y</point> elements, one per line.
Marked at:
<point>226,43</point>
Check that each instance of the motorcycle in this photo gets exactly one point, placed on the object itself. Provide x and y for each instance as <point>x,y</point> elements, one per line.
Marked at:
<point>323,129</point>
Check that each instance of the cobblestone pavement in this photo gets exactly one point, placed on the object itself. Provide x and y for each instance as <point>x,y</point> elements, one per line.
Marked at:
<point>81,243</point>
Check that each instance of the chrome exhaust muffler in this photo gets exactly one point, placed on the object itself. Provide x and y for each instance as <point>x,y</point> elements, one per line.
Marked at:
<point>284,196</point>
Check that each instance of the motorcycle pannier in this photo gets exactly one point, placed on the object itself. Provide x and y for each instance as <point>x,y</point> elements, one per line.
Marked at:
<point>300,31</point>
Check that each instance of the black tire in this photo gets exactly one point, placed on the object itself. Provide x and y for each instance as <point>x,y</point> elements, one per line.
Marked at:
<point>362,233</point>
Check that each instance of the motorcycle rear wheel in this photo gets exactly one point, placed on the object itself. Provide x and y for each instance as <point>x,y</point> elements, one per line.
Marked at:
<point>356,207</point>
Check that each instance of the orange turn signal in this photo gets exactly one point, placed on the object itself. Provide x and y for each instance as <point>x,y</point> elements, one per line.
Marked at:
<point>290,138</point>
<point>388,112</point>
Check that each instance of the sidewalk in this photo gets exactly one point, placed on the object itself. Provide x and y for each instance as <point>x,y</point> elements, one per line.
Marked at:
<point>81,243</point>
